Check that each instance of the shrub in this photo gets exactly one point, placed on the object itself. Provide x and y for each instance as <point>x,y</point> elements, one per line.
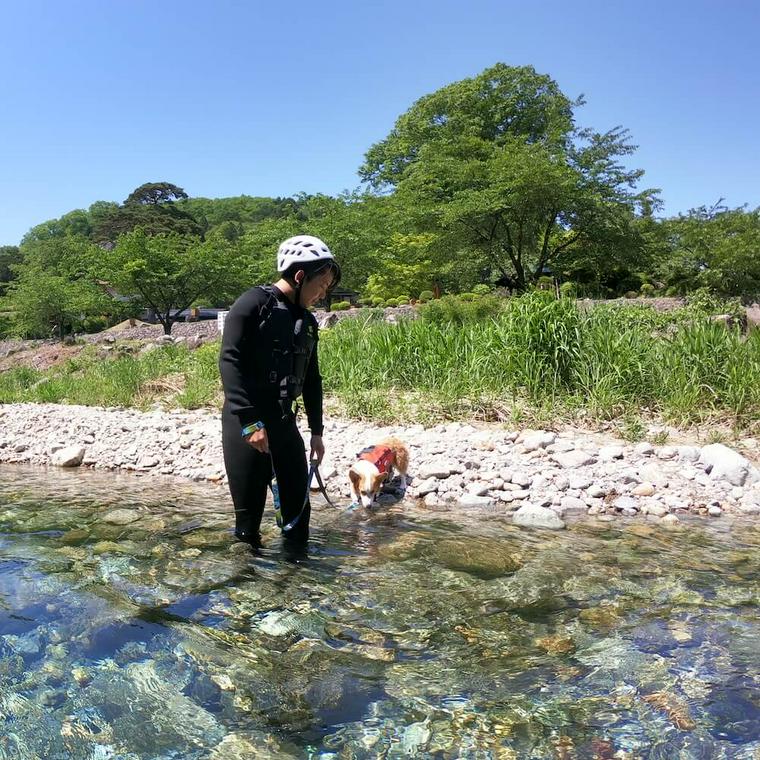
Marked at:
<point>340,306</point>
<point>377,301</point>
<point>94,324</point>
<point>481,289</point>
<point>467,297</point>
<point>461,310</point>
<point>426,295</point>
<point>631,294</point>
<point>568,290</point>
<point>390,302</point>
<point>647,290</point>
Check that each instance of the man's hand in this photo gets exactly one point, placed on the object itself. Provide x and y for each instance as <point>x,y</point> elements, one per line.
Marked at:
<point>317,449</point>
<point>259,440</point>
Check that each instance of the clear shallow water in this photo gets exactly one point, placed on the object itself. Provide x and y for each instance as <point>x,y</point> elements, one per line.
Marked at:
<point>401,635</point>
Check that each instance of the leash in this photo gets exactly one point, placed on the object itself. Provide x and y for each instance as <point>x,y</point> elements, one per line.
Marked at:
<point>313,472</point>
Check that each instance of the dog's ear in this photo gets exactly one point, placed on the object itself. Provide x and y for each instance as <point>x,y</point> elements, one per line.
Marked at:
<point>354,477</point>
<point>377,481</point>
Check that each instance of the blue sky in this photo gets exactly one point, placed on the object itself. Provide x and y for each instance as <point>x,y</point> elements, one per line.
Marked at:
<point>226,98</point>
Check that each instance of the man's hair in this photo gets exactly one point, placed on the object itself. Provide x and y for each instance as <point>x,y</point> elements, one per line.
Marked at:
<point>311,269</point>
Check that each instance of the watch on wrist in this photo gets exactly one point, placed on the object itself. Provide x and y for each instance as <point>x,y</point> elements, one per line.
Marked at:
<point>252,428</point>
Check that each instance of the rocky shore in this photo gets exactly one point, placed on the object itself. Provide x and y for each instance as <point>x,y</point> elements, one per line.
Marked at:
<point>539,478</point>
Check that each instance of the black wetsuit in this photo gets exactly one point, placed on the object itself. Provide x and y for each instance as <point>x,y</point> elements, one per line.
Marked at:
<point>243,362</point>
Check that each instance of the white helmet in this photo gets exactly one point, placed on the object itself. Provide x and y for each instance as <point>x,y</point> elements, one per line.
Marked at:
<point>302,249</point>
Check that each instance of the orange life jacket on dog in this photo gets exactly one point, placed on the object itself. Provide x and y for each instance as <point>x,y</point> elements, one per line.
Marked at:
<point>380,456</point>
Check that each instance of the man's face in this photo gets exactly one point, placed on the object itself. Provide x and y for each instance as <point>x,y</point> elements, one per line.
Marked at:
<point>316,289</point>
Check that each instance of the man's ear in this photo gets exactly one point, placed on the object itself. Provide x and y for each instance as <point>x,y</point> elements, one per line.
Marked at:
<point>299,277</point>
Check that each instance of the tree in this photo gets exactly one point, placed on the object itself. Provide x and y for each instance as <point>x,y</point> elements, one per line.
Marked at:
<point>155,193</point>
<point>44,303</point>
<point>55,289</point>
<point>714,247</point>
<point>169,272</point>
<point>152,207</point>
<point>496,164</point>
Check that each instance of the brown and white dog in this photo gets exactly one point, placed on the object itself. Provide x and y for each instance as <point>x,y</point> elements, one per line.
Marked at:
<point>374,467</point>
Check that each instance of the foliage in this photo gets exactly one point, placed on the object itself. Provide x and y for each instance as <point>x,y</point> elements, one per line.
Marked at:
<point>568,290</point>
<point>496,164</point>
<point>340,306</point>
<point>151,207</point>
<point>55,290</point>
<point>426,295</point>
<point>10,256</point>
<point>714,247</point>
<point>153,193</point>
<point>457,310</point>
<point>169,273</point>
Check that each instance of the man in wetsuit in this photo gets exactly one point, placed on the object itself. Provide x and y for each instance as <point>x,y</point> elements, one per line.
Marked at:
<point>268,359</point>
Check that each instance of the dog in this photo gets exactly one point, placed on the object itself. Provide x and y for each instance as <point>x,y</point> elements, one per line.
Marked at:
<point>374,467</point>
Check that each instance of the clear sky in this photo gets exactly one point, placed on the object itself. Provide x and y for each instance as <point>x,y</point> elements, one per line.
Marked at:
<point>265,98</point>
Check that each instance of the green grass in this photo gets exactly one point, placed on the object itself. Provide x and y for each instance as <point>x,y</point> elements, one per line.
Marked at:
<point>521,360</point>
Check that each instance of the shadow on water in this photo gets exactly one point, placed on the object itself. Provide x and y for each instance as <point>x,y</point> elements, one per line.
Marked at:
<point>132,626</point>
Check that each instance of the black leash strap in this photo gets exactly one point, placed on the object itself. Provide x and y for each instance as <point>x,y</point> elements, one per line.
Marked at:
<point>313,471</point>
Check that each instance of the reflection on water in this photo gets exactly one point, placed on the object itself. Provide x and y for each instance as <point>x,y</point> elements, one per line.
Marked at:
<point>132,627</point>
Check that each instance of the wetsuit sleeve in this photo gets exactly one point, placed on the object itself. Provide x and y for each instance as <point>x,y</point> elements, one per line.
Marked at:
<point>312,393</point>
<point>239,342</point>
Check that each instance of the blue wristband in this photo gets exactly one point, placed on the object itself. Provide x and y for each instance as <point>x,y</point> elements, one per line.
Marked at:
<point>252,428</point>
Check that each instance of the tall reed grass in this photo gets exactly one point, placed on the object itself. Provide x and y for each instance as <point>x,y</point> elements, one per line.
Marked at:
<point>545,353</point>
<point>534,355</point>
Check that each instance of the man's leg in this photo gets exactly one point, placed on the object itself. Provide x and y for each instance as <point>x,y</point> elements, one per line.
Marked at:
<point>248,475</point>
<point>289,455</point>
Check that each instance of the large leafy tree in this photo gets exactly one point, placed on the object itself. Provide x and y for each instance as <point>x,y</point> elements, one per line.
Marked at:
<point>169,272</point>
<point>498,166</point>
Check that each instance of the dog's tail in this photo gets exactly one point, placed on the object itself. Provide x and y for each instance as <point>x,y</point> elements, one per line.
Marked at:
<point>400,453</point>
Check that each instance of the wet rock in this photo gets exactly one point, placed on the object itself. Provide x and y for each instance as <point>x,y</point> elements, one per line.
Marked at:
<point>121,516</point>
<point>71,456</point>
<point>530,516</point>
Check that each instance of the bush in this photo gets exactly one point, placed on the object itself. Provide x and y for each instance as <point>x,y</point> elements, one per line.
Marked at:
<point>426,295</point>
<point>647,290</point>
<point>389,302</point>
<point>340,306</point>
<point>568,290</point>
<point>94,324</point>
<point>467,297</point>
<point>631,294</point>
<point>377,301</point>
<point>481,289</point>
<point>460,310</point>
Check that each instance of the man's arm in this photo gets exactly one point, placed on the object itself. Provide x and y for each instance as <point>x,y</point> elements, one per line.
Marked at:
<point>241,330</point>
